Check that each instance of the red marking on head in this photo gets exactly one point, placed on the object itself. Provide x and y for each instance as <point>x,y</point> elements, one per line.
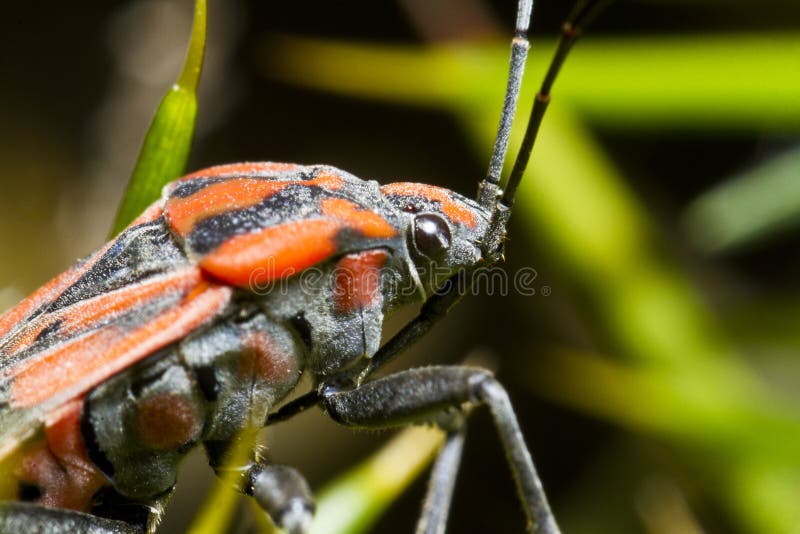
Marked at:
<point>264,359</point>
<point>368,223</point>
<point>272,253</point>
<point>356,280</point>
<point>59,466</point>
<point>263,168</point>
<point>454,210</point>
<point>235,194</point>
<point>76,366</point>
<point>167,421</point>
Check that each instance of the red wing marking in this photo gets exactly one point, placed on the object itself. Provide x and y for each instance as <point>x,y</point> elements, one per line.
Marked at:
<point>369,223</point>
<point>50,291</point>
<point>74,367</point>
<point>356,280</point>
<point>455,211</point>
<point>243,169</point>
<point>46,293</point>
<point>88,313</point>
<point>235,194</point>
<point>15,317</point>
<point>272,253</point>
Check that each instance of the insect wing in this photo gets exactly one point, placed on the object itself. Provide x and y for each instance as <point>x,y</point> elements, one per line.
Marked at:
<point>95,320</point>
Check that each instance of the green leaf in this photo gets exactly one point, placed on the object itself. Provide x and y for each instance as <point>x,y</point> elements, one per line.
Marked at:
<point>165,150</point>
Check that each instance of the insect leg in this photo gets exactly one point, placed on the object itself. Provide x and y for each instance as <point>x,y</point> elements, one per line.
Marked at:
<point>436,506</point>
<point>433,310</point>
<point>422,394</point>
<point>284,494</point>
<point>280,491</point>
<point>34,519</point>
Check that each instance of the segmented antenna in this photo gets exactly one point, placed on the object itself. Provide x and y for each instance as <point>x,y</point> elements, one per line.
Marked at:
<point>487,190</point>
<point>583,12</point>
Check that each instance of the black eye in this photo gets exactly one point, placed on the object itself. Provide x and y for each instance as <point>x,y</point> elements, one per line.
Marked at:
<point>431,235</point>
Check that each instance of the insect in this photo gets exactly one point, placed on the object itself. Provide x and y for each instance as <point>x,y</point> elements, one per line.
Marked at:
<point>199,319</point>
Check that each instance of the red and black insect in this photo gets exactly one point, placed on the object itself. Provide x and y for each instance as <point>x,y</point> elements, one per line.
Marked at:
<point>199,318</point>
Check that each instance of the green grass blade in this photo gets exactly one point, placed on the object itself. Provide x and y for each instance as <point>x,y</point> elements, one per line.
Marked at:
<point>352,503</point>
<point>165,149</point>
<point>217,513</point>
<point>748,207</point>
<point>710,82</point>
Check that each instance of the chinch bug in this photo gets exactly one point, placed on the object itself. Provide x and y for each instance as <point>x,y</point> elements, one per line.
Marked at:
<point>197,320</point>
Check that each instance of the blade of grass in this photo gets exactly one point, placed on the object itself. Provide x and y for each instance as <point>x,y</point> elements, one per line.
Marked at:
<point>217,512</point>
<point>349,504</point>
<point>693,81</point>
<point>352,503</point>
<point>166,145</point>
<point>748,207</point>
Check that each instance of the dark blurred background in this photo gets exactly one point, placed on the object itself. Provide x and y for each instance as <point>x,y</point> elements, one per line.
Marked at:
<point>79,86</point>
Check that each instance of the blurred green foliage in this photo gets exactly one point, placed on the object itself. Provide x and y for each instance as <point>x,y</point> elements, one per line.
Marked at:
<point>759,203</point>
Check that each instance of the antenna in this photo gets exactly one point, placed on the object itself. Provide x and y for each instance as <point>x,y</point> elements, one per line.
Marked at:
<point>583,13</point>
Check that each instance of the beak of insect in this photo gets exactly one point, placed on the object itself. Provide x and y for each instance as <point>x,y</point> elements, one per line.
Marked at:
<point>412,269</point>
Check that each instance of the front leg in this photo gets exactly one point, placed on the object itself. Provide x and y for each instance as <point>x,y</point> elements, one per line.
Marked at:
<point>280,491</point>
<point>420,395</point>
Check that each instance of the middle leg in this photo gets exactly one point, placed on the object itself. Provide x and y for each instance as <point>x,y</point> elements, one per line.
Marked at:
<point>423,395</point>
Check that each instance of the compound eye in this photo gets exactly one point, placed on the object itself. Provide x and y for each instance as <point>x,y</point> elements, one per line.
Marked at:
<point>431,235</point>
